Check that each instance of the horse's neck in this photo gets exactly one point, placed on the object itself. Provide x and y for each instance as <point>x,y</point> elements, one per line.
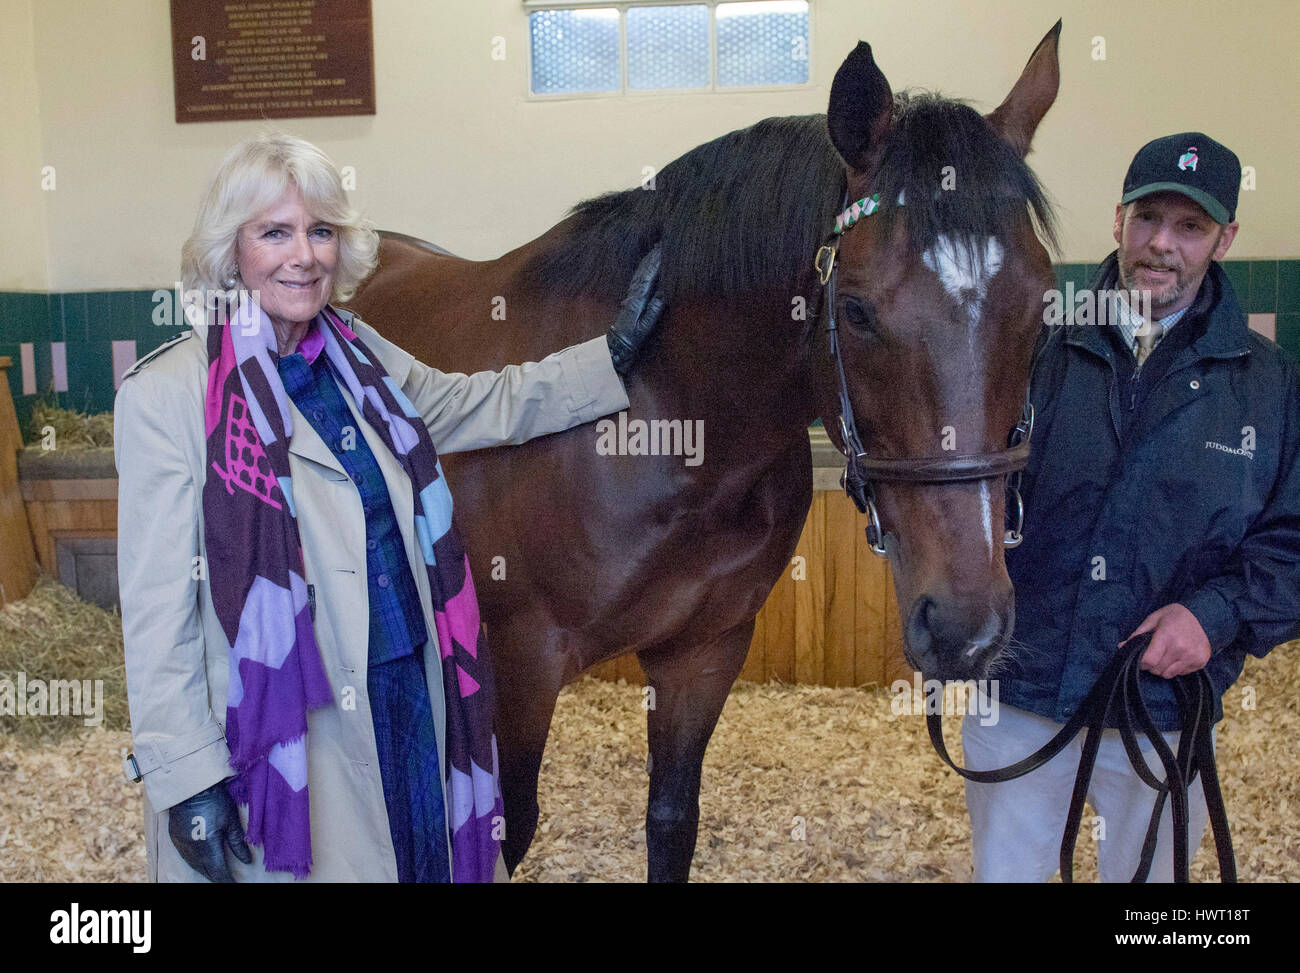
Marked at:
<point>743,363</point>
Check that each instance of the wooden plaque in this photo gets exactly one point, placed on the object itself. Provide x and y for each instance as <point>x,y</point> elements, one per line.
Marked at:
<point>253,59</point>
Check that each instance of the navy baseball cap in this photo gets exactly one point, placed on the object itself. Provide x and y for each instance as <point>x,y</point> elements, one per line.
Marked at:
<point>1190,163</point>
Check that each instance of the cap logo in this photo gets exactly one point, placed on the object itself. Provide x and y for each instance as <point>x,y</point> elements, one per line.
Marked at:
<point>1188,159</point>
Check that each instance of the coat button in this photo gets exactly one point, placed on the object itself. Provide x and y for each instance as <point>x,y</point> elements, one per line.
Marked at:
<point>356,478</point>
<point>1195,384</point>
<point>382,581</point>
<point>372,544</point>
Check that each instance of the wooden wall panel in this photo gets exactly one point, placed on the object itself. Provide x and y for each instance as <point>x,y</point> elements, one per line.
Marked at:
<point>841,596</point>
<point>810,597</point>
<point>778,662</point>
<point>51,519</point>
<point>18,557</point>
<point>753,668</point>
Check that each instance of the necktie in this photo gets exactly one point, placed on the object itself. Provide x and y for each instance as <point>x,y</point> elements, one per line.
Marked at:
<point>1147,339</point>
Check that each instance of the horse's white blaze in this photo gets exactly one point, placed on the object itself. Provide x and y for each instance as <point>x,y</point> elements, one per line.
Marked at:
<point>986,516</point>
<point>964,275</point>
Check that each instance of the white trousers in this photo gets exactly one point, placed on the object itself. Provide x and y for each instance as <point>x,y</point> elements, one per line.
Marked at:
<point>1016,826</point>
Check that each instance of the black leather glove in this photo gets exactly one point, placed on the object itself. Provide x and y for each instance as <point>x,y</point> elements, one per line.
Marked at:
<point>221,828</point>
<point>637,316</point>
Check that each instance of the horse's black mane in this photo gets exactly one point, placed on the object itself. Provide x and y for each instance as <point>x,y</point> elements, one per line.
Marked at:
<point>751,207</point>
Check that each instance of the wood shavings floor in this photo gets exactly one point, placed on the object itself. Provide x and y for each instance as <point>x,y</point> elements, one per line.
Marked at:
<point>876,803</point>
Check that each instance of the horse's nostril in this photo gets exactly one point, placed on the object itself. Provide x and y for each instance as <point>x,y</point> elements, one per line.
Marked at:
<point>918,632</point>
<point>990,633</point>
<point>951,639</point>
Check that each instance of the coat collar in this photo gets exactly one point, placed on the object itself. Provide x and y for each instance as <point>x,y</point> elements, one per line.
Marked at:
<point>1226,331</point>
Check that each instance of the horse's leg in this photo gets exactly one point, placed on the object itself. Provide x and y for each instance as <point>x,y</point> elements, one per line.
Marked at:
<point>529,675</point>
<point>690,688</point>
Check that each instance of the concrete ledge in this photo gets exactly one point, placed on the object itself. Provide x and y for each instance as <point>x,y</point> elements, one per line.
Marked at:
<point>94,463</point>
<point>827,461</point>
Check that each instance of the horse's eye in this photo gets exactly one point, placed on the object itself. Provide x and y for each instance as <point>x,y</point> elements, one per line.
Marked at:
<point>858,314</point>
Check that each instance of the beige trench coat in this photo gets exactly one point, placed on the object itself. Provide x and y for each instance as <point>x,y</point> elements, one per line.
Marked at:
<point>176,652</point>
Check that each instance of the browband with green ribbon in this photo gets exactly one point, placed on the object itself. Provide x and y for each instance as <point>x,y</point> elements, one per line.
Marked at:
<point>863,207</point>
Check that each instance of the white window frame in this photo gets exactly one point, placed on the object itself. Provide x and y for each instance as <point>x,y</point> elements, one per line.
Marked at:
<point>713,88</point>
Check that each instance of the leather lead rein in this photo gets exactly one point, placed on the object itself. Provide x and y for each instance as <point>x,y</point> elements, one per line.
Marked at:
<point>1118,692</point>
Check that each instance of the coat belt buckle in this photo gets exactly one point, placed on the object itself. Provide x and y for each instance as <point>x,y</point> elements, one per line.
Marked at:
<point>131,768</point>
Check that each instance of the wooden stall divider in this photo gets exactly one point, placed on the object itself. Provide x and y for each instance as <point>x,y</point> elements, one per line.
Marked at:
<point>17,553</point>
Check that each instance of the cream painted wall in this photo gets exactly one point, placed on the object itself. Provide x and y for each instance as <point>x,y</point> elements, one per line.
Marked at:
<point>458,153</point>
<point>23,246</point>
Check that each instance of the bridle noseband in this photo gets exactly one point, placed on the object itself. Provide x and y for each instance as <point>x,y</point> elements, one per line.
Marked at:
<point>861,470</point>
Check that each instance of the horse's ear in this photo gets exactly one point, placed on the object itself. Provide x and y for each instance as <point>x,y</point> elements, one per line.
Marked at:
<point>860,109</point>
<point>1017,118</point>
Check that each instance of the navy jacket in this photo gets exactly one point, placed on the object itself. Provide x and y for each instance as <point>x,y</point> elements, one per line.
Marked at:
<point>1181,487</point>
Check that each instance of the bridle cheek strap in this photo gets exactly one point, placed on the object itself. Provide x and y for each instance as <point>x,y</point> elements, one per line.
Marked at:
<point>861,470</point>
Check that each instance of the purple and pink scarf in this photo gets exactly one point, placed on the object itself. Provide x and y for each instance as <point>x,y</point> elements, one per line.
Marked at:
<point>255,567</point>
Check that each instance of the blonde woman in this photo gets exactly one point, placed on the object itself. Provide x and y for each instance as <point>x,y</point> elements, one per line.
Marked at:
<point>305,666</point>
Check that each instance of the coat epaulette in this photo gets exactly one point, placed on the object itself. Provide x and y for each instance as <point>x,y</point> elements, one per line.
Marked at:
<point>171,342</point>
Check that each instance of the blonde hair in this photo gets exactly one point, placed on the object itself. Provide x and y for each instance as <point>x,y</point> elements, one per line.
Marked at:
<point>254,175</point>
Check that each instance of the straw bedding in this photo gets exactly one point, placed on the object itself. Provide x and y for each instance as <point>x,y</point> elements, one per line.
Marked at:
<point>800,783</point>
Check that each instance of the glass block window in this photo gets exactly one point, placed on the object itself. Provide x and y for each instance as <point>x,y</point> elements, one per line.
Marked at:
<point>588,46</point>
<point>668,47</point>
<point>575,50</point>
<point>762,43</point>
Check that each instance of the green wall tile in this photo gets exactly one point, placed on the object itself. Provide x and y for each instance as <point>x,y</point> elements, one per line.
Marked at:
<point>41,306</point>
<point>135,319</point>
<point>8,316</point>
<point>44,369</point>
<point>1288,286</point>
<point>35,309</point>
<point>1263,287</point>
<point>121,312</point>
<point>24,317</point>
<point>90,376</point>
<point>149,334</point>
<point>71,309</point>
<point>1288,332</point>
<point>1238,272</point>
<point>141,309</point>
<point>99,316</point>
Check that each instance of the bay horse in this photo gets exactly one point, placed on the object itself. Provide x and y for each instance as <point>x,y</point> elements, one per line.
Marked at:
<point>582,556</point>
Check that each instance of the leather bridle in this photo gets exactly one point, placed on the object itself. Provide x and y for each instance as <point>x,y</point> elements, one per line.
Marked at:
<point>861,470</point>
